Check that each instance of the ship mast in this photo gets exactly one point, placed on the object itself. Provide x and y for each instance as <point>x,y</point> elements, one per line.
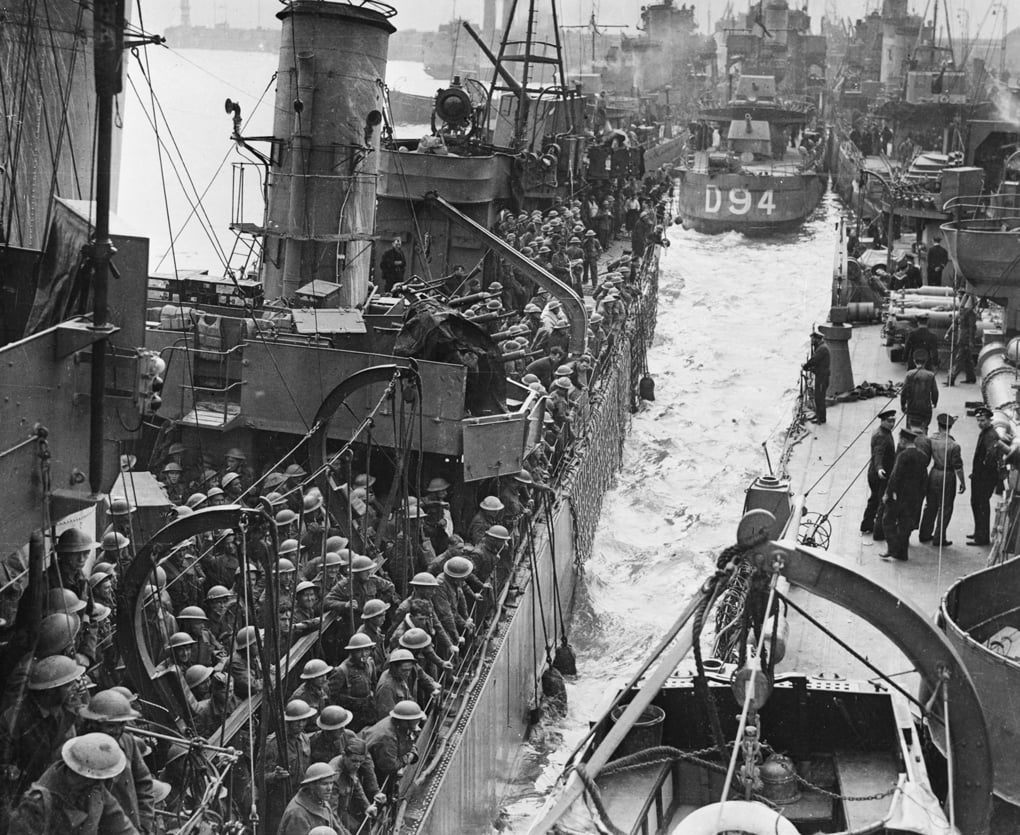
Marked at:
<point>108,17</point>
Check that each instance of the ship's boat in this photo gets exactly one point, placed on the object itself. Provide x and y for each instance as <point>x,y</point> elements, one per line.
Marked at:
<point>735,747</point>
<point>754,181</point>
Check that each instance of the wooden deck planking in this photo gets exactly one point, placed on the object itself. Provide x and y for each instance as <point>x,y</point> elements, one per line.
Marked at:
<point>926,575</point>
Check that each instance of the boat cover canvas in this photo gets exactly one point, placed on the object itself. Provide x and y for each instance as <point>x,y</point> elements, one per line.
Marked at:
<point>62,288</point>
<point>438,333</point>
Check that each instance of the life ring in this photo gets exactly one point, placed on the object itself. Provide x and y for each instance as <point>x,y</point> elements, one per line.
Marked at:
<point>944,98</point>
<point>735,815</point>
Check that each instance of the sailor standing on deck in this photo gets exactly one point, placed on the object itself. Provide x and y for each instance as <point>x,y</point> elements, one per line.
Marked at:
<point>984,475</point>
<point>819,364</point>
<point>920,393</point>
<point>883,456</point>
<point>937,259</point>
<point>942,484</point>
<point>904,496</point>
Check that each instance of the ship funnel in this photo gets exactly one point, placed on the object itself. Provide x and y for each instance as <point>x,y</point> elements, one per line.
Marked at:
<point>321,211</point>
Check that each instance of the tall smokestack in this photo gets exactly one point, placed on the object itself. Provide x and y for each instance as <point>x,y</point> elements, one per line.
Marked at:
<point>488,20</point>
<point>321,212</point>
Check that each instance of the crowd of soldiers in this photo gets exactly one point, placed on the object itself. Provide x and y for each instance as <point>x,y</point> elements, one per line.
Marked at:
<point>388,612</point>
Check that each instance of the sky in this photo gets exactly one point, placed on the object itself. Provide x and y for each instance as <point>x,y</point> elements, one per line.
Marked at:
<point>426,14</point>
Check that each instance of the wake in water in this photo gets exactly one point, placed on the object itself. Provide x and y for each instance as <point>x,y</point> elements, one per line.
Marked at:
<point>734,319</point>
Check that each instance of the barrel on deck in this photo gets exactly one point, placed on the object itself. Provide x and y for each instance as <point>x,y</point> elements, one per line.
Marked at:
<point>646,732</point>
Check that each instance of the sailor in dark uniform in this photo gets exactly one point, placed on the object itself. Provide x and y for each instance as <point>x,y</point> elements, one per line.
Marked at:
<point>820,365</point>
<point>883,456</point>
<point>922,338</point>
<point>392,265</point>
<point>920,393</point>
<point>984,476</point>
<point>937,258</point>
<point>904,496</point>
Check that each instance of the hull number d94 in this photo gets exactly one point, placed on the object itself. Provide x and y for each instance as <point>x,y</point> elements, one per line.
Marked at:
<point>737,201</point>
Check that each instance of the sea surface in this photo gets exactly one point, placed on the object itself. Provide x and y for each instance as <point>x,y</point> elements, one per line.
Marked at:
<point>733,325</point>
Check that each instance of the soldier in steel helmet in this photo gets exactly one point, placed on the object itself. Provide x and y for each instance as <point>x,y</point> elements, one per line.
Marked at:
<point>418,607</point>
<point>73,795</point>
<point>352,684</point>
<point>373,618</point>
<point>390,741</point>
<point>313,804</point>
<point>32,732</point>
<point>110,712</point>
<point>285,765</point>
<point>313,688</point>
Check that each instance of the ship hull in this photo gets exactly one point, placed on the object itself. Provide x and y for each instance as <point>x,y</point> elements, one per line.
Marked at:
<point>488,740</point>
<point>744,202</point>
<point>973,610</point>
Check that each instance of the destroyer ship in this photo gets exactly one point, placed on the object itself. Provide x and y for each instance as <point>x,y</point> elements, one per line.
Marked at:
<point>319,410</point>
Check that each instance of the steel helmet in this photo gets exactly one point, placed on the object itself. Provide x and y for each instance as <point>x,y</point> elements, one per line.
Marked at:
<point>294,471</point>
<point>181,639</point>
<point>335,543</point>
<point>114,541</point>
<point>315,668</point>
<point>54,671</point>
<point>362,563</point>
<point>312,501</point>
<point>298,710</point>
<point>437,484</point>
<point>196,500</point>
<point>192,613</point>
<point>373,608</point>
<point>109,706</point>
<point>415,638</point>
<point>322,830</point>
<point>424,578</point>
<point>125,692</point>
<point>100,612</point>
<point>57,632</point>
<point>73,541</point>
<point>285,566</point>
<point>160,790</point>
<point>120,507</point>
<point>334,717</point>
<point>491,503</point>
<point>173,467</point>
<point>285,516</point>
<point>160,577</point>
<point>359,640</point>
<point>214,491</point>
<point>181,511</point>
<point>458,567</point>
<point>236,454</point>
<point>498,532</point>
<point>562,383</point>
<point>364,480</point>
<point>245,637</point>
<point>274,497</point>
<point>196,674</point>
<point>407,709</point>
<point>228,478</point>
<point>63,600</point>
<point>103,566</point>
<point>398,655</point>
<point>524,477</point>
<point>318,771</point>
<point>288,546</point>
<point>334,558</point>
<point>217,593</point>
<point>305,585</point>
<point>96,756</point>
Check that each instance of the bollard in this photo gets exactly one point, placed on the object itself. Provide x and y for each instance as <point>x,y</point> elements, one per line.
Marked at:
<point>837,337</point>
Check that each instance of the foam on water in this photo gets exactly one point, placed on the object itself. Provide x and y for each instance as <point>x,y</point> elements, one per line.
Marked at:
<point>734,319</point>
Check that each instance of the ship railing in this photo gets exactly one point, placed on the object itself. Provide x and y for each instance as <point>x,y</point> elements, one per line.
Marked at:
<point>661,802</point>
<point>983,206</point>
